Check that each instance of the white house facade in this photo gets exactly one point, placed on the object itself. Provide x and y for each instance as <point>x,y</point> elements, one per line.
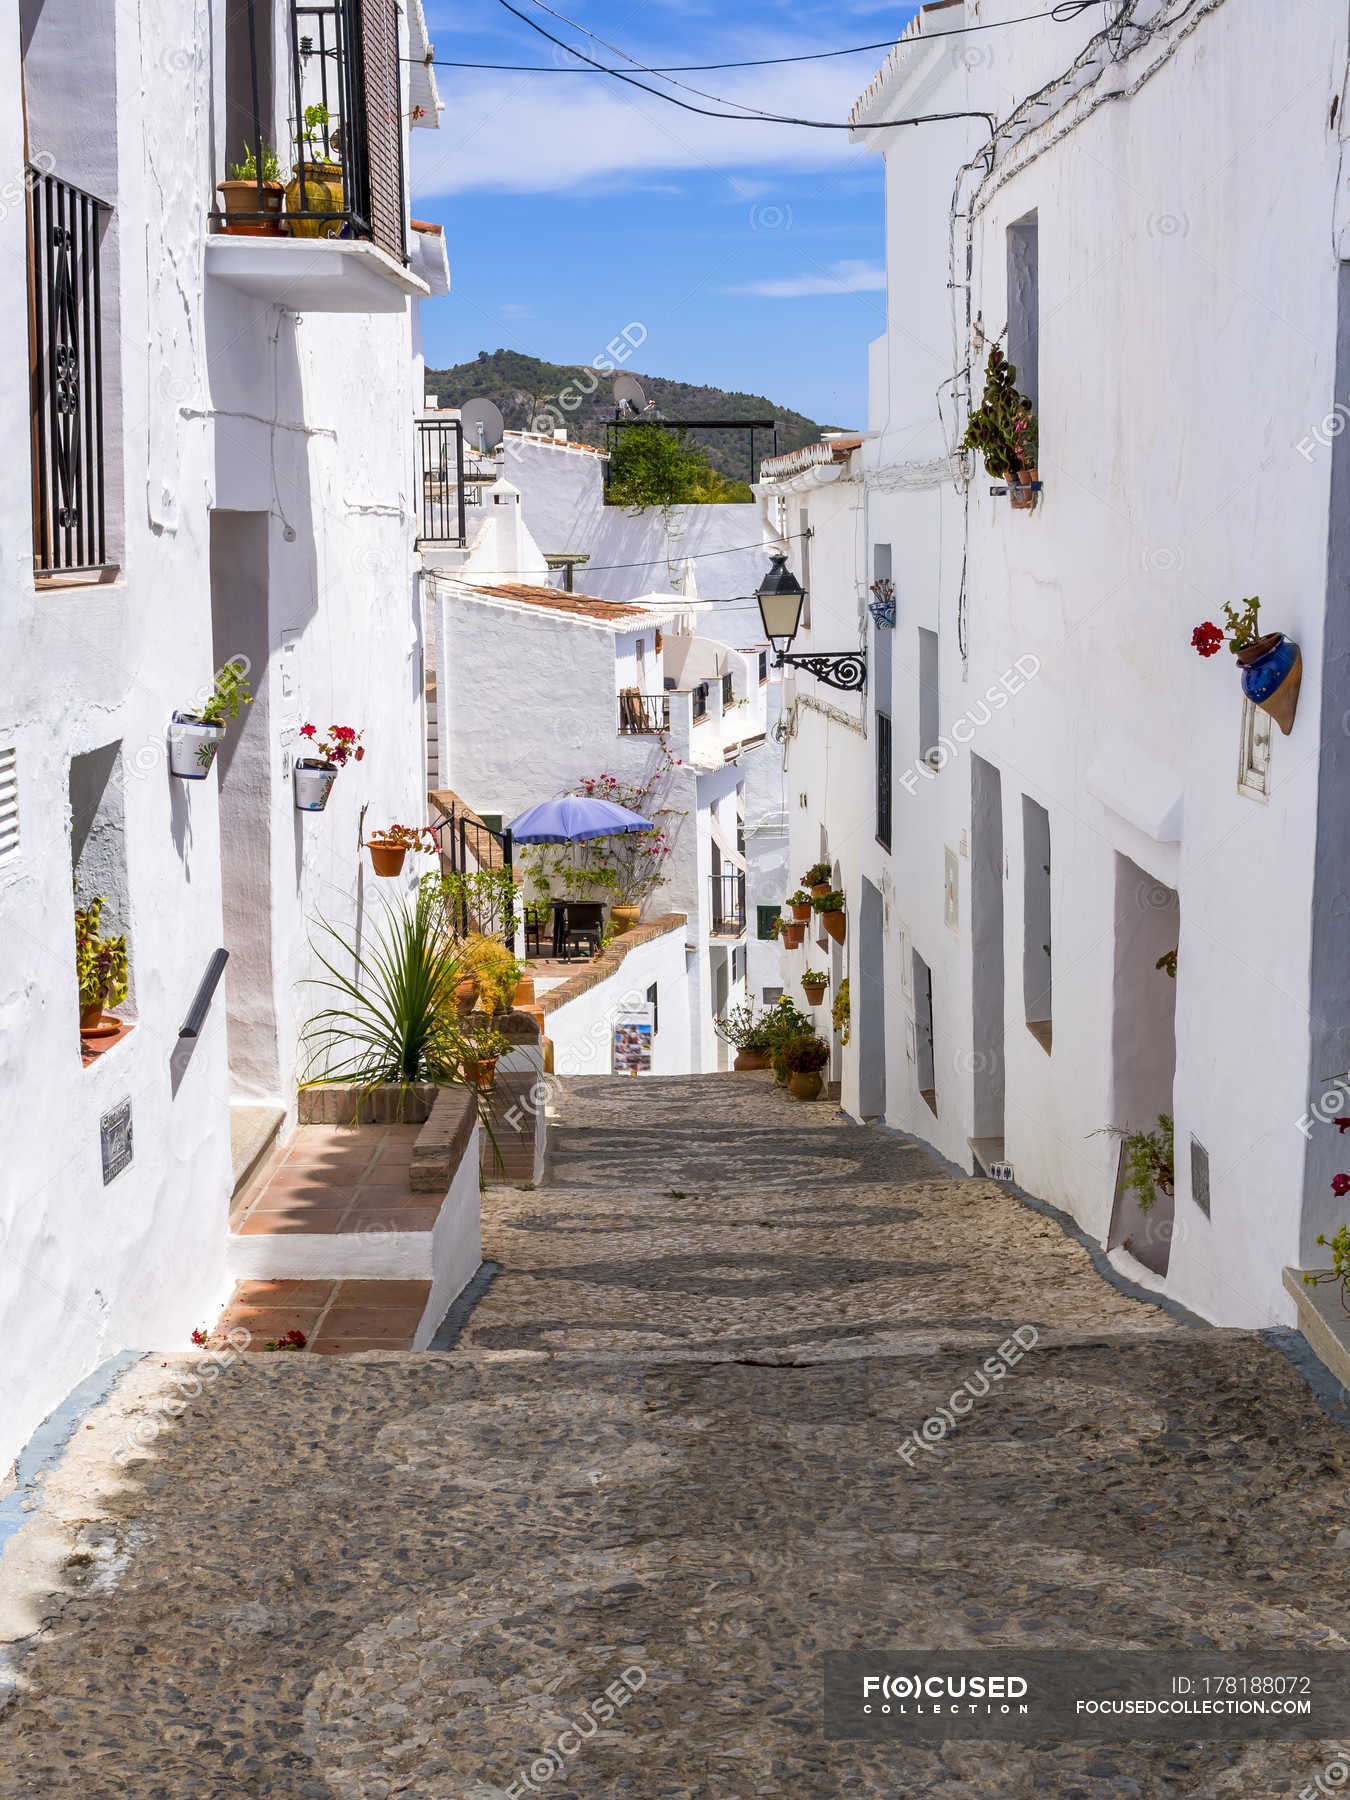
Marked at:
<point>218,425</point>
<point>1045,791</point>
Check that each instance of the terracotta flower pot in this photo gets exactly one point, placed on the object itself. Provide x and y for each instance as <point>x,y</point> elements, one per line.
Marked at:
<point>1021,494</point>
<point>524,994</point>
<point>801,912</point>
<point>624,918</point>
<point>834,925</point>
<point>792,935</point>
<point>91,1017</point>
<point>814,991</point>
<point>750,1059</point>
<point>241,197</point>
<point>482,1073</point>
<point>818,888</point>
<point>466,995</point>
<point>387,859</point>
<point>1272,673</point>
<point>323,194</point>
<point>806,1086</point>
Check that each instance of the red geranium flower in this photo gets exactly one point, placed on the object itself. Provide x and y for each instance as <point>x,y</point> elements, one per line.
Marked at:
<point>1340,1184</point>
<point>1207,639</point>
<point>308,730</point>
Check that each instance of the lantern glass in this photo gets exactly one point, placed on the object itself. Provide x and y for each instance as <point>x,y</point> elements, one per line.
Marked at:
<point>780,598</point>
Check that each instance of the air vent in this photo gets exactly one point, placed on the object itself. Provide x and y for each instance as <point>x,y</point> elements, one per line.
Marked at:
<point>9,803</point>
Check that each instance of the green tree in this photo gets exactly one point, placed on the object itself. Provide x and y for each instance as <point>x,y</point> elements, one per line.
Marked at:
<point>653,466</point>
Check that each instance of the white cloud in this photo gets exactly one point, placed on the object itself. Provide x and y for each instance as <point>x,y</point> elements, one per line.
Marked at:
<point>839,278</point>
<point>556,134</point>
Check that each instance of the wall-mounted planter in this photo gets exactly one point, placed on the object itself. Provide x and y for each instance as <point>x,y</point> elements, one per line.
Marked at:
<point>801,913</point>
<point>814,991</point>
<point>313,784</point>
<point>387,859</point>
<point>1023,489</point>
<point>792,936</point>
<point>193,743</point>
<point>834,925</point>
<point>1272,673</point>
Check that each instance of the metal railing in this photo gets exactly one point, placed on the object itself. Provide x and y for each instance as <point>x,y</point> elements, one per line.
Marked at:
<point>468,846</point>
<point>66,360</point>
<point>345,125</point>
<point>643,714</point>
<point>440,481</point>
<point>728,904</point>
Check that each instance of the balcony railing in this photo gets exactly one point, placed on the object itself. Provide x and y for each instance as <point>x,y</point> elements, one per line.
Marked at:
<point>440,481</point>
<point>643,714</point>
<point>728,904</point>
<point>346,124</point>
<point>66,352</point>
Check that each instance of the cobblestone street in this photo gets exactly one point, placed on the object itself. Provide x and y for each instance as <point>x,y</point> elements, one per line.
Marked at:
<point>669,1442</point>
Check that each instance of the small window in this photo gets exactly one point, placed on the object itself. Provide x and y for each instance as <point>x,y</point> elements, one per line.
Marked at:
<point>763,667</point>
<point>728,691</point>
<point>1200,1175</point>
<point>642,665</point>
<point>701,701</point>
<point>1254,752</point>
<point>1036,954</point>
<point>9,803</point>
<point>1024,306</point>
<point>924,1062</point>
<point>654,1001</point>
<point>928,696</point>
<point>884,780</point>
<point>764,918</point>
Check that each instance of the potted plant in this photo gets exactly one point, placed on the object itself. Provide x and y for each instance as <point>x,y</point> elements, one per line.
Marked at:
<point>783,1024</point>
<point>481,1050</point>
<point>817,878</point>
<point>1271,664</point>
<point>814,983</point>
<point>748,1033</point>
<point>1339,1272</point>
<point>495,970</point>
<point>839,1012</point>
<point>792,934</point>
<point>314,775</point>
<point>194,738</point>
<point>316,185</point>
<point>1003,429</point>
<point>801,906</point>
<point>830,906</point>
<point>100,967</point>
<point>806,1057</point>
<point>776,927</point>
<point>624,918</point>
<point>389,847</point>
<point>1149,1161</point>
<point>244,199</point>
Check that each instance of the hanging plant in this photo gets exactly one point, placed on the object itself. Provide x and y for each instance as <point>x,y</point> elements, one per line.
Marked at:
<point>1271,664</point>
<point>839,1012</point>
<point>1149,1161</point>
<point>194,737</point>
<point>1003,427</point>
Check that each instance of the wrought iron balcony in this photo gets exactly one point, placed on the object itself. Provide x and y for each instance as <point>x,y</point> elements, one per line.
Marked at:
<point>643,714</point>
<point>728,904</point>
<point>440,481</point>
<point>65,302</point>
<point>345,125</point>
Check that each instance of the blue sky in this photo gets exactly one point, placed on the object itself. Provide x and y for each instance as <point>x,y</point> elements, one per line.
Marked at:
<point>574,206</point>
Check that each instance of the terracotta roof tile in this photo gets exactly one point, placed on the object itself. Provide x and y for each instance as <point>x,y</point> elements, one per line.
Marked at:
<point>422,225</point>
<point>581,606</point>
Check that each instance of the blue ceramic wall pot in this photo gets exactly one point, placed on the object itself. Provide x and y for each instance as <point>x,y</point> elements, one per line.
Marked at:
<point>1272,672</point>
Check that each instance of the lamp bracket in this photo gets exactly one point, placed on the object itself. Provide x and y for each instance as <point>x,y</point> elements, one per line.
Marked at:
<point>845,669</point>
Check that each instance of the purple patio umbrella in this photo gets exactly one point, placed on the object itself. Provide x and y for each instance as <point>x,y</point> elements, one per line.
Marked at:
<point>572,817</point>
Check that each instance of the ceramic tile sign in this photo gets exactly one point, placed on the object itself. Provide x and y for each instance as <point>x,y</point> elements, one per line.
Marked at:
<point>951,877</point>
<point>632,1040</point>
<point>115,1135</point>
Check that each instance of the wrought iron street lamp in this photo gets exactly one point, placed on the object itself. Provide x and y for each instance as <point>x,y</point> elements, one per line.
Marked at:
<point>780,596</point>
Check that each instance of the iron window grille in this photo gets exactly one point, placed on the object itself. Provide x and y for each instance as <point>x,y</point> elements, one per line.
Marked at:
<point>440,481</point>
<point>728,904</point>
<point>345,64</point>
<point>884,780</point>
<point>66,360</point>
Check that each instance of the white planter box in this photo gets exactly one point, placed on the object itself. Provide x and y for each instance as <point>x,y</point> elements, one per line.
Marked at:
<point>193,744</point>
<point>313,784</point>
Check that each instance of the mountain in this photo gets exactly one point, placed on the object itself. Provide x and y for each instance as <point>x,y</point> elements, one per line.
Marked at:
<point>526,388</point>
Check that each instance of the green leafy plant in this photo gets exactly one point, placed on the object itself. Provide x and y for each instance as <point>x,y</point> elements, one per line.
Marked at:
<point>1168,963</point>
<point>839,1012</point>
<point>248,169</point>
<point>100,962</point>
<point>1003,427</point>
<point>831,902</point>
<point>654,466</point>
<point>229,692</point>
<point>784,1024</point>
<point>487,897</point>
<point>496,970</point>
<point>405,837</point>
<point>806,1055</point>
<point>815,978</point>
<point>744,1028</point>
<point>1339,1272</point>
<point>1149,1165</point>
<point>800,898</point>
<point>393,1014</point>
<point>1242,628</point>
<point>815,875</point>
<point>316,122</point>
<point>776,926</point>
<point>483,1043</point>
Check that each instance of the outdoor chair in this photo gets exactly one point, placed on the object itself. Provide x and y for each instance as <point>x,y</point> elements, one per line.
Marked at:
<point>582,925</point>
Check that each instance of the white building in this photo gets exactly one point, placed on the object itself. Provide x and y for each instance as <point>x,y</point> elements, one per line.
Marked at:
<point>221,428</point>
<point>1044,789</point>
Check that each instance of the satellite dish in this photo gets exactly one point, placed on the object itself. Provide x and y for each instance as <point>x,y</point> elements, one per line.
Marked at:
<point>483,424</point>
<point>628,394</point>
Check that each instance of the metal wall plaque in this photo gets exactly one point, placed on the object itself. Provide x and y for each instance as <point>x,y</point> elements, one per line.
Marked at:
<point>115,1134</point>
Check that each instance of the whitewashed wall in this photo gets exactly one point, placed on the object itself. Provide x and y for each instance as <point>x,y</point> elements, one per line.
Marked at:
<point>581,1030</point>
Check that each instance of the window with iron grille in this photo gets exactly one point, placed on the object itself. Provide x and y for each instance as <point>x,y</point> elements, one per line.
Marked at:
<point>764,918</point>
<point>66,366</point>
<point>884,780</point>
<point>763,667</point>
<point>701,701</point>
<point>654,1001</point>
<point>728,691</point>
